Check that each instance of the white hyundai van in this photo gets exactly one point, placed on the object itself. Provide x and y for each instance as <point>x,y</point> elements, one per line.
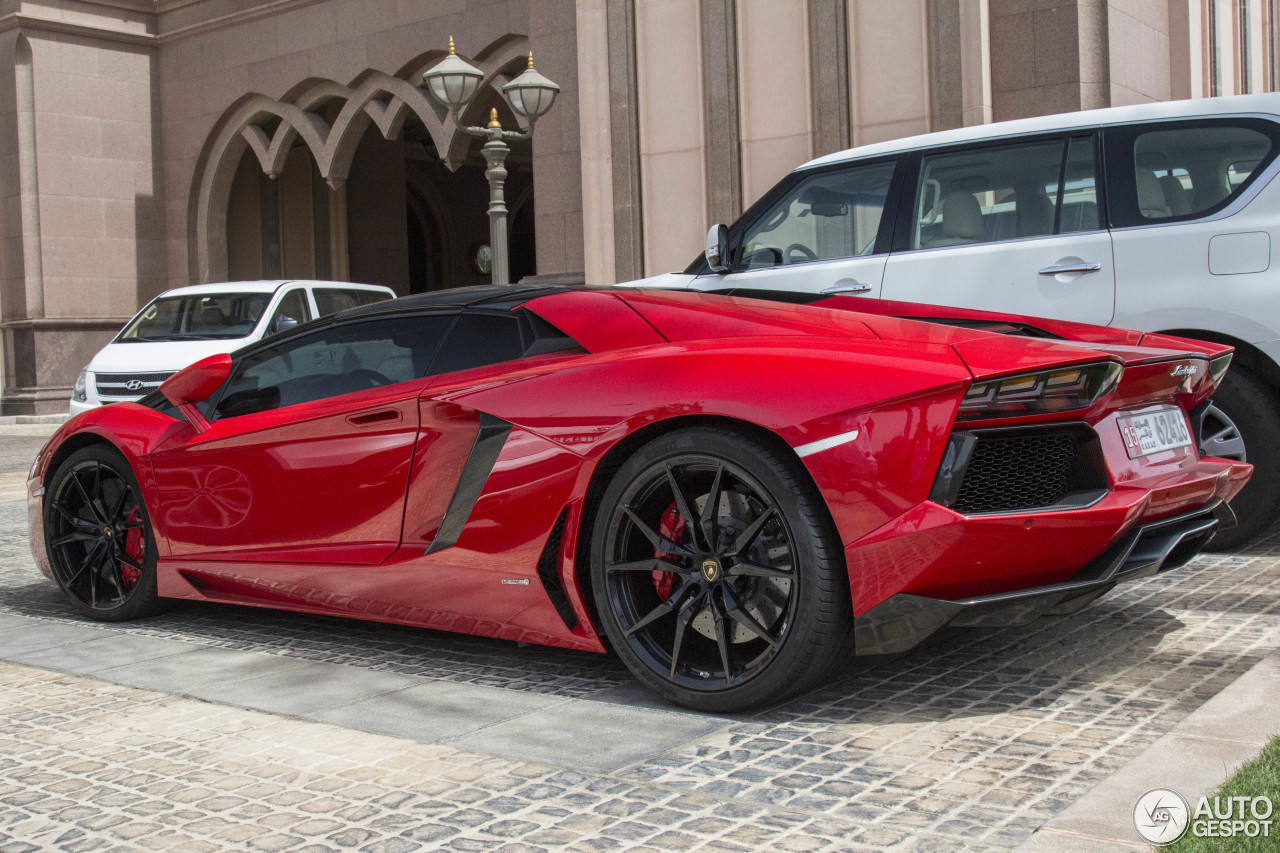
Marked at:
<point>1160,217</point>
<point>184,325</point>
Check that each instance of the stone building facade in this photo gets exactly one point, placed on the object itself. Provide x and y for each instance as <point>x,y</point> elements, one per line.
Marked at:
<point>145,145</point>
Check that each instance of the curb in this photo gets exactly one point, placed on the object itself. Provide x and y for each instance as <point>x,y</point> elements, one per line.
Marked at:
<point>1194,758</point>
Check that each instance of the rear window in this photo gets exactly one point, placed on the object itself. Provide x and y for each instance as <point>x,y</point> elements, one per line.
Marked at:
<point>1171,172</point>
<point>331,300</point>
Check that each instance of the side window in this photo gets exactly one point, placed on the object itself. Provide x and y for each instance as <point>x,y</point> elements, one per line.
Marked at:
<point>337,360</point>
<point>331,300</point>
<point>291,311</point>
<point>480,339</point>
<point>1172,172</point>
<point>983,195</point>
<point>827,216</point>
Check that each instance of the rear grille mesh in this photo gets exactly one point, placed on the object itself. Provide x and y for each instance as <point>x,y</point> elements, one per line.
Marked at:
<point>117,384</point>
<point>1018,472</point>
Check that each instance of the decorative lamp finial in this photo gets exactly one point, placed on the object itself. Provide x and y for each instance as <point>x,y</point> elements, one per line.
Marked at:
<point>493,118</point>
<point>451,50</point>
<point>531,59</point>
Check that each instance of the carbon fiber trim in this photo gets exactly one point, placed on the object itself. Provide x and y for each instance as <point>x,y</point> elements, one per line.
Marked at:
<point>475,473</point>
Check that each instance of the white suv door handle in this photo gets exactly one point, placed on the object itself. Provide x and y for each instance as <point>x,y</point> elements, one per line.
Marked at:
<point>848,287</point>
<point>1060,269</point>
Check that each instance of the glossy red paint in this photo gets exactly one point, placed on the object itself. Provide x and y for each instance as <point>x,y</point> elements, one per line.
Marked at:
<point>333,506</point>
<point>610,324</point>
<point>686,316</point>
<point>194,384</point>
<point>1077,332</point>
<point>333,473</point>
<point>931,551</point>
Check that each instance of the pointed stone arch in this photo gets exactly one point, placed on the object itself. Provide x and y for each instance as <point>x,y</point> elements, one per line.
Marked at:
<point>270,127</point>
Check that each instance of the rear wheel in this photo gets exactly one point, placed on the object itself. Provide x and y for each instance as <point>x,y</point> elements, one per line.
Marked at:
<point>1243,423</point>
<point>717,572</point>
<point>98,536</point>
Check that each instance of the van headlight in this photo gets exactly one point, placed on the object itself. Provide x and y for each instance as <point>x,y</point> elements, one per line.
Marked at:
<point>80,393</point>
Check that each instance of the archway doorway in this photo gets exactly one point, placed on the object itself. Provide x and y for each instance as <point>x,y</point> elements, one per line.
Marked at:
<point>367,182</point>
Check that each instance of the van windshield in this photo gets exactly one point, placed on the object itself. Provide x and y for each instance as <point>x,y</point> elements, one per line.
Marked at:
<point>205,317</point>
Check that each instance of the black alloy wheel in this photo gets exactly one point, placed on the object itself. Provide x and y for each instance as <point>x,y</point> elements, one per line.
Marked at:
<point>1243,423</point>
<point>717,572</point>
<point>98,536</point>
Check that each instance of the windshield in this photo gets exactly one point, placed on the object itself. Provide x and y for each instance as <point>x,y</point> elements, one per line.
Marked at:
<point>200,318</point>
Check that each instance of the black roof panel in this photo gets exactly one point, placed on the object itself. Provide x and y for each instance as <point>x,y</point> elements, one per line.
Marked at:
<point>490,295</point>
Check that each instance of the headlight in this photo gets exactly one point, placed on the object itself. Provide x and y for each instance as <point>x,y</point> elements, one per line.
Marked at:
<point>1218,368</point>
<point>1059,390</point>
<point>80,393</point>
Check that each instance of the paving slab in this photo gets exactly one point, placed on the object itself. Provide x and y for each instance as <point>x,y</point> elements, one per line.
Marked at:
<point>589,735</point>
<point>107,652</point>
<point>196,668</point>
<point>11,621</point>
<point>15,644</point>
<point>436,712</point>
<point>303,688</point>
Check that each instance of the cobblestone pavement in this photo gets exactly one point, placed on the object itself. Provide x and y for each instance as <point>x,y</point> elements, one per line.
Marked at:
<point>969,745</point>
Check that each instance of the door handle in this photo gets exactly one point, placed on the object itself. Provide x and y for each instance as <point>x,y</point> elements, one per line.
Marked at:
<point>853,287</point>
<point>379,417</point>
<point>1059,269</point>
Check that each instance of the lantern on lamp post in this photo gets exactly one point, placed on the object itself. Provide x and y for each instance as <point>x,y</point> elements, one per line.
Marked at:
<point>454,82</point>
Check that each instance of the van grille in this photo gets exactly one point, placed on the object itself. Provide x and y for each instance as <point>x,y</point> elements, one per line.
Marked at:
<point>117,385</point>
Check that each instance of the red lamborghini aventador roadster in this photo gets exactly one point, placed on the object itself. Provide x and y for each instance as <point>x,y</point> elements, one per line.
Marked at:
<point>733,494</point>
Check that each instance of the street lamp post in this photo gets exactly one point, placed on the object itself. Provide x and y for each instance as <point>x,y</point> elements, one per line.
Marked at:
<point>454,83</point>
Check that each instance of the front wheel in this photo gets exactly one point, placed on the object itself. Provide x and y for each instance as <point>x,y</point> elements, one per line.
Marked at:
<point>717,572</point>
<point>98,536</point>
<point>1243,423</point>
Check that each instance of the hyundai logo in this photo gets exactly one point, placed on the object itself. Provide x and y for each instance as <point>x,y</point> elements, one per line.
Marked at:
<point>134,384</point>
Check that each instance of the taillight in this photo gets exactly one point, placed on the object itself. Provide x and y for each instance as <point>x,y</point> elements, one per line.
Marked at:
<point>1059,390</point>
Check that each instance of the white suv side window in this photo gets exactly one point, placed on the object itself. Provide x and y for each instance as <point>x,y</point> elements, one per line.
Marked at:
<point>984,195</point>
<point>1187,171</point>
<point>827,216</point>
<point>1179,171</point>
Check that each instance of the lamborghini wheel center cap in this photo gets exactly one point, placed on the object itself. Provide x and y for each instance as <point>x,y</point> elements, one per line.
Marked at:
<point>711,570</point>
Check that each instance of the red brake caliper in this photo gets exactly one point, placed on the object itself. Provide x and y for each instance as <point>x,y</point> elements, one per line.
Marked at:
<point>135,547</point>
<point>672,528</point>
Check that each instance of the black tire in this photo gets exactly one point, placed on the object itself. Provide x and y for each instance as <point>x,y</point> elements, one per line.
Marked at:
<point>720,605</point>
<point>99,538</point>
<point>1244,423</point>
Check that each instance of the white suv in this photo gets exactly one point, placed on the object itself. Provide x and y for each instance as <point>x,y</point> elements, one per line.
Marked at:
<point>1158,217</point>
<point>184,325</point>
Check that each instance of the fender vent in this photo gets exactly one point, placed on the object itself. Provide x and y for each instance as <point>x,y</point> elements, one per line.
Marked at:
<point>549,571</point>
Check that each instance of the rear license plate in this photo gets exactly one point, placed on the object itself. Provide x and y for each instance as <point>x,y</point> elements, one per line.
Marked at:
<point>1152,432</point>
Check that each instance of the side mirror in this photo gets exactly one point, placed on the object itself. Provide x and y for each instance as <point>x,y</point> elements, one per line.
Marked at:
<point>194,384</point>
<point>718,248</point>
<point>283,322</point>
